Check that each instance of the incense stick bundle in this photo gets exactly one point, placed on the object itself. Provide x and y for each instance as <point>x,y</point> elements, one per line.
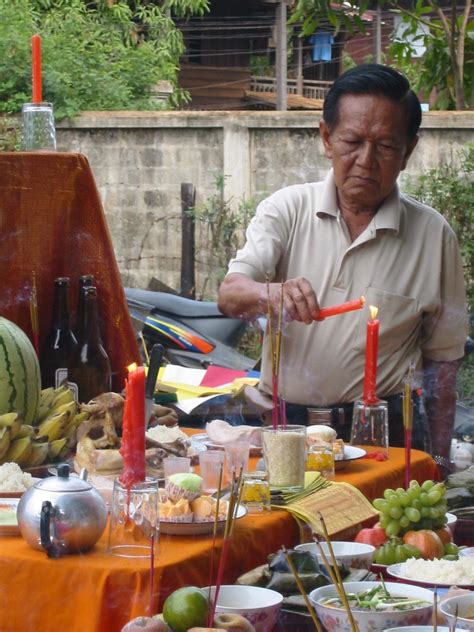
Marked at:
<point>302,591</point>
<point>214,533</point>
<point>407,425</point>
<point>278,408</point>
<point>34,315</point>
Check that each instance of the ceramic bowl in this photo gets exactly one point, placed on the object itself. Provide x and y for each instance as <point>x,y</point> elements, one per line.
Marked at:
<point>465,606</point>
<point>421,628</point>
<point>260,606</point>
<point>351,554</point>
<point>451,523</point>
<point>336,619</point>
<point>467,552</point>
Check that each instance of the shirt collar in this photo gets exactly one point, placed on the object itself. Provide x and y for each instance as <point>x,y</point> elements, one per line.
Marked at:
<point>386,218</point>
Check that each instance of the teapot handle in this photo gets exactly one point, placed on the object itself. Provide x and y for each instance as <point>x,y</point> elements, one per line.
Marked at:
<point>52,547</point>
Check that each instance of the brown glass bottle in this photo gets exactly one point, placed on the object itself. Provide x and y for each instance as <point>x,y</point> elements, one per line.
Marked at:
<point>90,366</point>
<point>59,345</point>
<point>84,281</point>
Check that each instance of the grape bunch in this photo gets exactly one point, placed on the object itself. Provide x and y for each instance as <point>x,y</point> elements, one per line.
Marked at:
<point>419,507</point>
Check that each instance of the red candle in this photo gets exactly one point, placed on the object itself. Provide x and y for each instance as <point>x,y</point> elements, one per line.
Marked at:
<point>36,68</point>
<point>133,428</point>
<point>348,306</point>
<point>371,351</point>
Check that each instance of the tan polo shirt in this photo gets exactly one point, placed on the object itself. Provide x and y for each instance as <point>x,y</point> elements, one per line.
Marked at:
<point>406,263</point>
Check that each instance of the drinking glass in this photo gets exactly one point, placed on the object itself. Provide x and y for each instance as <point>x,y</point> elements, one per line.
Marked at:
<point>37,127</point>
<point>370,426</point>
<point>237,456</point>
<point>176,465</point>
<point>321,459</point>
<point>284,450</point>
<point>210,463</point>
<point>134,524</point>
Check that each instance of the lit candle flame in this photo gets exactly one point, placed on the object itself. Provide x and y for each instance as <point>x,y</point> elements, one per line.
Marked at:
<point>132,367</point>
<point>373,311</point>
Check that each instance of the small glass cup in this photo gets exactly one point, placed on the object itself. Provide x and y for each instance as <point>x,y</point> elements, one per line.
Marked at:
<point>321,459</point>
<point>370,426</point>
<point>210,463</point>
<point>256,492</point>
<point>134,523</point>
<point>284,450</point>
<point>237,456</point>
<point>37,127</point>
<point>176,465</point>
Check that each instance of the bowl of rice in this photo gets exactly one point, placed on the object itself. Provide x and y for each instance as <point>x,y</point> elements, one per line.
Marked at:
<point>13,481</point>
<point>442,573</point>
<point>464,606</point>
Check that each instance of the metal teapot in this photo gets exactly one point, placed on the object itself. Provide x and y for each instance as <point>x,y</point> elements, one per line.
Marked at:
<point>62,514</point>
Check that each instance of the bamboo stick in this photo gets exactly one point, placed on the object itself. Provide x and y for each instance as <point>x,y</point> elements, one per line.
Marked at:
<point>302,591</point>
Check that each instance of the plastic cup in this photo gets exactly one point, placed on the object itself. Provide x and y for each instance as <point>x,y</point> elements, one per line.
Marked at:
<point>37,127</point>
<point>210,464</point>
<point>237,456</point>
<point>134,523</point>
<point>176,465</point>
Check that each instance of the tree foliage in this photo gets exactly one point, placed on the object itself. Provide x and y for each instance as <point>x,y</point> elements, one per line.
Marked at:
<point>448,63</point>
<point>95,56</point>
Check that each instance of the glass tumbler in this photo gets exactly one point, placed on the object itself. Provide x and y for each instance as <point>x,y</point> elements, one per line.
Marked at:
<point>284,451</point>
<point>370,426</point>
<point>321,459</point>
<point>37,127</point>
<point>134,523</point>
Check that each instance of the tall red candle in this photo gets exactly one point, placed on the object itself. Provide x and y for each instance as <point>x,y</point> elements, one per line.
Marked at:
<point>133,428</point>
<point>371,352</point>
<point>36,68</point>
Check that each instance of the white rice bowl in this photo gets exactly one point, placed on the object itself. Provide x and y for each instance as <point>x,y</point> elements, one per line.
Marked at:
<point>13,479</point>
<point>448,572</point>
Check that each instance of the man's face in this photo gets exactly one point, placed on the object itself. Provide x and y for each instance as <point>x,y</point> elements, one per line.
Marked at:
<point>368,146</point>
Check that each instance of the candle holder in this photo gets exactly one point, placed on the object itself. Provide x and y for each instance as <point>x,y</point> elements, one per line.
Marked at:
<point>37,127</point>
<point>370,426</point>
<point>134,523</point>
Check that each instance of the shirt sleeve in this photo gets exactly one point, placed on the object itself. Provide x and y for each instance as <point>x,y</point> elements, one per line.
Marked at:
<point>446,329</point>
<point>266,239</point>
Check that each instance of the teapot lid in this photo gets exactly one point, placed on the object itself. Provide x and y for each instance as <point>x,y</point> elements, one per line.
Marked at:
<point>63,482</point>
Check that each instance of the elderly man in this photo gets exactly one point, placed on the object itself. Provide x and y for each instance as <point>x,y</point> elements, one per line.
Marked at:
<point>352,235</point>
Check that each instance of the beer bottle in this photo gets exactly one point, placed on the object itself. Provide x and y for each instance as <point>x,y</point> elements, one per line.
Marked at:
<point>90,366</point>
<point>84,281</point>
<point>60,343</point>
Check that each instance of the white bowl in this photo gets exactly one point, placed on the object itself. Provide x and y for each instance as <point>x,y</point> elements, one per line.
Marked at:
<point>451,523</point>
<point>260,606</point>
<point>421,628</point>
<point>336,619</point>
<point>465,605</point>
<point>467,552</point>
<point>351,554</point>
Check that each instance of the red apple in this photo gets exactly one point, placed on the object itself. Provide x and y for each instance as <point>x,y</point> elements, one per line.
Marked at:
<point>145,624</point>
<point>375,536</point>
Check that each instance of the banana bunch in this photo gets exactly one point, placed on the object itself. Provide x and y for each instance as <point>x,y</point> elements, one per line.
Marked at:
<point>50,439</point>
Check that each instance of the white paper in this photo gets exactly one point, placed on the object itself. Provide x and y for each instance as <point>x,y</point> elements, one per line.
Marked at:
<point>182,375</point>
<point>188,405</point>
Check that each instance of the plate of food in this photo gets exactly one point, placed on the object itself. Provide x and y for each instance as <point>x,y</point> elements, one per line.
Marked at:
<point>174,441</point>
<point>350,453</point>
<point>204,439</point>
<point>8,520</point>
<point>13,481</point>
<point>199,527</point>
<point>440,573</point>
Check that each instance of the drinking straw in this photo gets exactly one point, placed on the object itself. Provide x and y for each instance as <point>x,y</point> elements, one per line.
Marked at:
<point>407,425</point>
<point>34,314</point>
<point>337,574</point>
<point>302,590</point>
<point>37,96</point>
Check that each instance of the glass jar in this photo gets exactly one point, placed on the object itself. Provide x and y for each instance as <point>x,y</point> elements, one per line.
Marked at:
<point>256,492</point>
<point>321,459</point>
<point>284,450</point>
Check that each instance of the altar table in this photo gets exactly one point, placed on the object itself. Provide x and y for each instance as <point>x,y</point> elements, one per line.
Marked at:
<point>97,592</point>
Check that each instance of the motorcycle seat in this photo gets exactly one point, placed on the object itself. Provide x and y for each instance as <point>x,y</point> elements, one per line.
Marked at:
<point>174,305</point>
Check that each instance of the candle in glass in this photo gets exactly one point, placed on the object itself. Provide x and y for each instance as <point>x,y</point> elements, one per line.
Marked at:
<point>133,428</point>
<point>371,352</point>
<point>36,68</point>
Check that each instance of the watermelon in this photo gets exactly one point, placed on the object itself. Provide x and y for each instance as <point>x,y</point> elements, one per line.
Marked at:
<point>20,381</point>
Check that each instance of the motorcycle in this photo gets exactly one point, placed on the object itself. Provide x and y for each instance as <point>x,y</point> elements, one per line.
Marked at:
<point>195,334</point>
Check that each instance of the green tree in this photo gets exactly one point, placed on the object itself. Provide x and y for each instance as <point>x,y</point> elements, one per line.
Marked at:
<point>448,37</point>
<point>95,56</point>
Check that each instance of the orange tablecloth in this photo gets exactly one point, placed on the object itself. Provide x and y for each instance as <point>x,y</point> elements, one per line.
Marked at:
<point>97,592</point>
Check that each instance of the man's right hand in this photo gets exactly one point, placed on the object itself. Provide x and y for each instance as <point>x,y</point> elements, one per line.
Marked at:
<point>242,297</point>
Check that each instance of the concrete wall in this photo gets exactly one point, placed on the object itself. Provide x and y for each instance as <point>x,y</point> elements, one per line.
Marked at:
<point>139,160</point>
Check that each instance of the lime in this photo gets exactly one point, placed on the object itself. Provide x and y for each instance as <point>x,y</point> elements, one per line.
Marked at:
<point>186,608</point>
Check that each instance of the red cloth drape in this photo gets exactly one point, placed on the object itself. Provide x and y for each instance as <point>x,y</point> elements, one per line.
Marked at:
<point>52,223</point>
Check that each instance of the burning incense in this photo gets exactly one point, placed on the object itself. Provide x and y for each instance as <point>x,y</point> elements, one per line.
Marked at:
<point>145,349</point>
<point>311,611</point>
<point>407,425</point>
<point>278,410</point>
<point>34,315</point>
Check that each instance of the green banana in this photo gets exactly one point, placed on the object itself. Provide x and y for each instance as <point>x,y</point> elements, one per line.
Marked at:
<point>44,407</point>
<point>12,421</point>
<point>80,417</point>
<point>39,453</point>
<point>63,395</point>
<point>55,425</point>
<point>71,436</point>
<point>4,441</point>
<point>19,452</point>
<point>27,431</point>
<point>55,448</point>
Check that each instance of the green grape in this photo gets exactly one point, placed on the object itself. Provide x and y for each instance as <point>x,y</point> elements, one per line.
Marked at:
<point>389,494</point>
<point>413,492</point>
<point>393,528</point>
<point>416,503</point>
<point>425,499</point>
<point>400,491</point>
<point>450,549</point>
<point>384,521</point>
<point>439,487</point>
<point>379,504</point>
<point>434,513</point>
<point>414,483</point>
<point>434,497</point>
<point>396,512</point>
<point>425,512</point>
<point>405,500</point>
<point>412,514</point>
<point>404,522</point>
<point>427,485</point>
